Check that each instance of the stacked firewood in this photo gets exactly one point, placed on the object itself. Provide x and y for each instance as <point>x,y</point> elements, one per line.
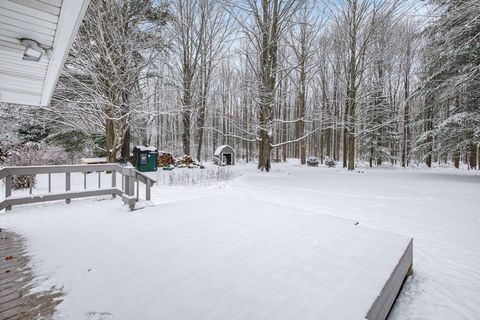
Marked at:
<point>166,159</point>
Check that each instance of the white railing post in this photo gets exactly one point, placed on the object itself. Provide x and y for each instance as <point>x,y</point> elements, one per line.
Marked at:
<point>114,181</point>
<point>129,192</point>
<point>138,189</point>
<point>147,190</point>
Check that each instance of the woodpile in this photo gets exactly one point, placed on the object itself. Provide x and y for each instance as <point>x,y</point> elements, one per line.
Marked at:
<point>187,162</point>
<point>165,159</point>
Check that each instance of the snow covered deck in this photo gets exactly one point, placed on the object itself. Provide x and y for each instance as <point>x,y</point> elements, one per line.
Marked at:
<point>16,301</point>
<point>200,259</point>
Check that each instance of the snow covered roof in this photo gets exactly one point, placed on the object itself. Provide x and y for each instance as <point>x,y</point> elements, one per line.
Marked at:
<point>53,25</point>
<point>143,148</point>
<point>220,148</point>
<point>94,160</point>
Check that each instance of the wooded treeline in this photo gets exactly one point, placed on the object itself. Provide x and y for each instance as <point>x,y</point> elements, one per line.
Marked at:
<point>379,82</point>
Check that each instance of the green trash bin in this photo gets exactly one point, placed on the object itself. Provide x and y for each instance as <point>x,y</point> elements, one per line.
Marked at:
<point>145,158</point>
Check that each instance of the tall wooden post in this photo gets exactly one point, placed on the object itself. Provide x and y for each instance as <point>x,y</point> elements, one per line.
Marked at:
<point>128,196</point>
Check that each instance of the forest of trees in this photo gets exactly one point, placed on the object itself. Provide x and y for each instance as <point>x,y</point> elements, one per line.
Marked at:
<point>361,81</point>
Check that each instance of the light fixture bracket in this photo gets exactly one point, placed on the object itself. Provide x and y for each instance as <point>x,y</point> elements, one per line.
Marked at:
<point>33,50</point>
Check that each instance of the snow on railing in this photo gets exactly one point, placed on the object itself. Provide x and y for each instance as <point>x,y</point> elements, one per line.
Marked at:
<point>130,176</point>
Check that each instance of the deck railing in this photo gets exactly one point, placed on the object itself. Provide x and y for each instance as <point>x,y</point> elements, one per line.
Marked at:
<point>129,175</point>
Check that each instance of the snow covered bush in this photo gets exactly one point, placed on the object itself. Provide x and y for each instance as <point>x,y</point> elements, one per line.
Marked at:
<point>32,154</point>
<point>330,162</point>
<point>72,141</point>
<point>194,176</point>
<point>313,162</point>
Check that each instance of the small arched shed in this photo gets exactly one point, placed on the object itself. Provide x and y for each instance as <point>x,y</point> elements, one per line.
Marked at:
<point>225,154</point>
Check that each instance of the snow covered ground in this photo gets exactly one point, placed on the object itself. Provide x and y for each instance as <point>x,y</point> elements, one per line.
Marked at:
<point>438,208</point>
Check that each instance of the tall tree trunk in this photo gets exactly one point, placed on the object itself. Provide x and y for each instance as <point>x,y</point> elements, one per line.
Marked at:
<point>111,141</point>
<point>301,114</point>
<point>125,152</point>
<point>337,113</point>
<point>326,115</point>
<point>186,132</point>
<point>351,140</point>
<point>284,115</point>
<point>406,116</point>
<point>201,120</point>
<point>429,128</point>
<point>472,156</point>
<point>371,158</point>
<point>127,136</point>
<point>328,142</point>
<point>345,147</point>
<point>158,118</point>
<point>264,148</point>
<point>203,103</point>
<point>406,135</point>
<point>268,62</point>
<point>352,89</point>
<point>186,113</point>
<point>456,159</point>
<point>345,135</point>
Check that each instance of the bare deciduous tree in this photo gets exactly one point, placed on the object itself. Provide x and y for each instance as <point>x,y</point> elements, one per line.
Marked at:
<point>99,89</point>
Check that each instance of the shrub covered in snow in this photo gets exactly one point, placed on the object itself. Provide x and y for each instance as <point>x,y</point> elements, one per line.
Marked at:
<point>32,154</point>
<point>72,141</point>
<point>330,162</point>
<point>313,162</point>
<point>189,176</point>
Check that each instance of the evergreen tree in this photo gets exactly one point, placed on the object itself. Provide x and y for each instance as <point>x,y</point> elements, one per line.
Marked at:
<point>380,130</point>
<point>452,84</point>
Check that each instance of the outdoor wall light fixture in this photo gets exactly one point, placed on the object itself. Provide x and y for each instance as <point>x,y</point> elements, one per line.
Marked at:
<point>33,51</point>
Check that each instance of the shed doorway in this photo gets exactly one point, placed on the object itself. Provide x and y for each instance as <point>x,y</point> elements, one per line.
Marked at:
<point>227,159</point>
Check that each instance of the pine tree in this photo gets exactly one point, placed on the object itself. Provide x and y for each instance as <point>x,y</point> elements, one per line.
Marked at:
<point>380,129</point>
<point>454,79</point>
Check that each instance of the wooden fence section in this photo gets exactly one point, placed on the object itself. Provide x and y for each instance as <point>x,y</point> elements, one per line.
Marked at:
<point>130,177</point>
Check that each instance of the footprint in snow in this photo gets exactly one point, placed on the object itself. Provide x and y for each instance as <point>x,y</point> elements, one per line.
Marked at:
<point>99,316</point>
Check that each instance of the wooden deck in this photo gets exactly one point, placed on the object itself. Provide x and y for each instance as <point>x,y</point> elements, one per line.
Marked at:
<point>384,303</point>
<point>15,300</point>
<point>252,260</point>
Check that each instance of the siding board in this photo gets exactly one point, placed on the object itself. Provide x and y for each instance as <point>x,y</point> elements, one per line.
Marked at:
<point>35,20</point>
<point>12,6</point>
<point>41,6</point>
<point>19,33</point>
<point>13,22</point>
